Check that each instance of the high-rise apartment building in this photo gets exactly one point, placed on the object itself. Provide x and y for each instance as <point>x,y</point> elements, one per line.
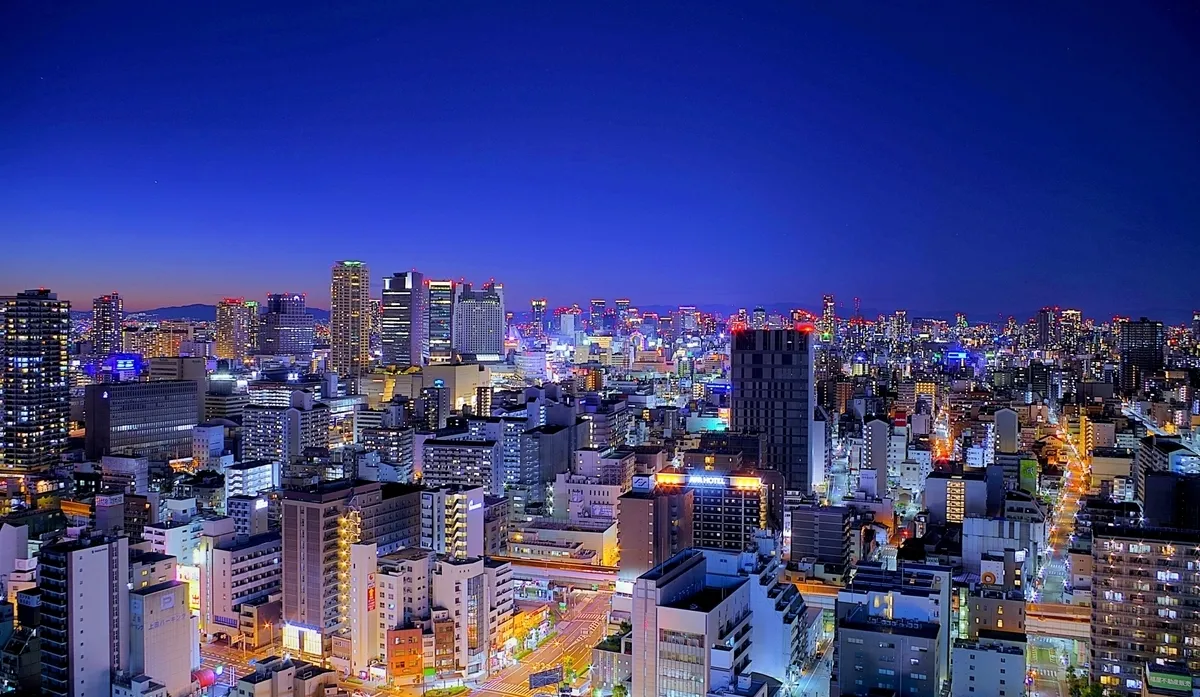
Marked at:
<point>85,619</point>
<point>452,521</point>
<point>1145,603</point>
<point>404,332</point>
<point>441,321</point>
<point>34,384</point>
<point>479,320</point>
<point>1140,347</point>
<point>320,525</point>
<point>108,311</point>
<point>350,319</point>
<point>773,393</point>
<point>154,419</point>
<point>236,323</point>
<point>287,327</point>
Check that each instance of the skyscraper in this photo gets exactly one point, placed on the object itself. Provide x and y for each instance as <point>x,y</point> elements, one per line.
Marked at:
<point>538,311</point>
<point>234,320</point>
<point>828,324</point>
<point>404,332</point>
<point>1140,346</point>
<point>479,320</point>
<point>349,318</point>
<point>34,385</point>
<point>1047,325</point>
<point>441,321</point>
<point>108,311</point>
<point>596,314</point>
<point>287,327</point>
<point>773,393</point>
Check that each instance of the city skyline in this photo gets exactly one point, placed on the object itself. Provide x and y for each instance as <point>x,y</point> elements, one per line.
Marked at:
<point>885,154</point>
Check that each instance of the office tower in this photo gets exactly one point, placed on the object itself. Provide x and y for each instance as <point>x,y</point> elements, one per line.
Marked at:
<point>596,313</point>
<point>479,320</point>
<point>280,434</point>
<point>1046,328</point>
<point>84,615</point>
<point>452,521</point>
<point>538,314</point>
<point>349,319</point>
<point>404,329</point>
<point>160,636</point>
<point>691,630</point>
<point>1144,603</point>
<point>108,311</point>
<point>154,419</point>
<point>287,327</point>
<point>235,324</point>
<point>773,393</point>
<point>441,321</point>
<point>622,306</point>
<point>828,324</point>
<point>654,524</point>
<point>758,318</point>
<point>1140,348</point>
<point>34,385</point>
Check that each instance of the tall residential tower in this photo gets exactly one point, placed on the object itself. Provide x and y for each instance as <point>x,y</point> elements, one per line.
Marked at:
<point>34,386</point>
<point>349,319</point>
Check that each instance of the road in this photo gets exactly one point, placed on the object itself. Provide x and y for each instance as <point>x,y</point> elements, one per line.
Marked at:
<point>1050,679</point>
<point>815,683</point>
<point>1055,573</point>
<point>575,638</point>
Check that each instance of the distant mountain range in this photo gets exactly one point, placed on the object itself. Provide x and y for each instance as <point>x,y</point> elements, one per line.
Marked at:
<point>202,313</point>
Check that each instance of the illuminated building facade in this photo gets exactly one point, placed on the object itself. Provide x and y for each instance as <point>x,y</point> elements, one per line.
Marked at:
<point>441,321</point>
<point>236,323</point>
<point>537,308</point>
<point>479,320</point>
<point>108,311</point>
<point>404,329</point>
<point>726,509</point>
<point>1140,346</point>
<point>350,319</point>
<point>34,380</point>
<point>154,418</point>
<point>287,327</point>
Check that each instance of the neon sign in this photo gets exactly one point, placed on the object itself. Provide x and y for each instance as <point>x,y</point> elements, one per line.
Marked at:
<point>706,480</point>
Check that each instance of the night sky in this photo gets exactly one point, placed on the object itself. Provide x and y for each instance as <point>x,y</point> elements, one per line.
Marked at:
<point>987,157</point>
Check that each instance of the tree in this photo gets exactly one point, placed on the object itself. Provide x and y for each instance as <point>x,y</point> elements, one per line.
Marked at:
<point>1082,686</point>
<point>620,691</point>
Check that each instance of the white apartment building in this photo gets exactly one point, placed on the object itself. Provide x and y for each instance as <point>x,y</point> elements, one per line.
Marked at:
<point>280,434</point>
<point>452,521</point>
<point>251,477</point>
<point>233,571</point>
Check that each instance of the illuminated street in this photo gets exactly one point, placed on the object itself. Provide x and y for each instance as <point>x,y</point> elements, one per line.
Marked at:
<point>575,639</point>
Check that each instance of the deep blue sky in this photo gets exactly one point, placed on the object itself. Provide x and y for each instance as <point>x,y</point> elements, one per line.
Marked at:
<point>937,156</point>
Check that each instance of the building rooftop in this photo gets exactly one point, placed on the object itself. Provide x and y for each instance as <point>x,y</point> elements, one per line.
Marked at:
<point>706,600</point>
<point>859,619</point>
<point>148,590</point>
